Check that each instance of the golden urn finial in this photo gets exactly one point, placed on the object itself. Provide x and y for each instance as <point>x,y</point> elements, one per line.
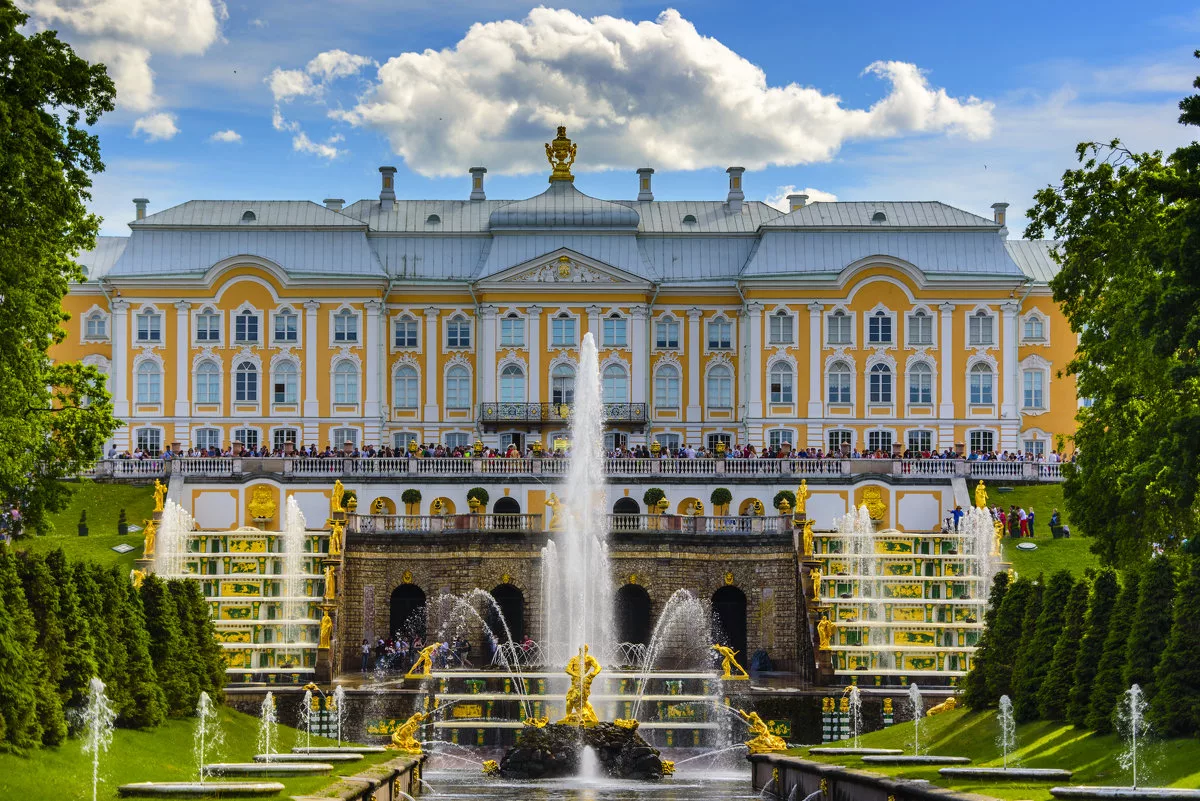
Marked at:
<point>561,155</point>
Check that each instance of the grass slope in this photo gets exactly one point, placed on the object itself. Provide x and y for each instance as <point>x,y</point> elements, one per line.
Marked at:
<point>1052,555</point>
<point>162,754</point>
<point>103,503</point>
<point>1170,763</point>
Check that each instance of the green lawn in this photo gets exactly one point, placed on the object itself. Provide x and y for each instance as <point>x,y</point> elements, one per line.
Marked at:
<point>1171,763</point>
<point>162,754</point>
<point>1051,555</point>
<point>103,503</point>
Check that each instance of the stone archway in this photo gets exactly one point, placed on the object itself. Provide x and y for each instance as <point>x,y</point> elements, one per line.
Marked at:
<point>407,612</point>
<point>511,601</point>
<point>729,620</point>
<point>627,506</point>
<point>507,506</point>
<point>632,609</point>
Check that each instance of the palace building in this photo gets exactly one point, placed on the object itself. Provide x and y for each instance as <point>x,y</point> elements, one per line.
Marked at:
<point>880,325</point>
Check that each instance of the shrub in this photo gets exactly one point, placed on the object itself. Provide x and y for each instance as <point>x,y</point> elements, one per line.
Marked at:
<point>1150,627</point>
<point>975,690</point>
<point>720,497</point>
<point>480,494</point>
<point>1055,693</point>
<point>1107,688</point>
<point>1175,710</point>
<point>1043,637</point>
<point>781,495</point>
<point>651,498</point>
<point>411,497</point>
<point>1091,647</point>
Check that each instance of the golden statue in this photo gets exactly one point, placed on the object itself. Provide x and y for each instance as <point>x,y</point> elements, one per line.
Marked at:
<point>825,630</point>
<point>844,704</point>
<point>626,723</point>
<point>785,507</point>
<point>802,494</point>
<point>808,537</point>
<point>814,576</point>
<point>662,506</point>
<point>949,705</point>
<point>757,508</point>
<point>262,503</point>
<point>668,767</point>
<point>326,631</point>
<point>491,767</point>
<point>136,577</point>
<point>437,507</point>
<point>330,584</point>
<point>537,723</point>
<point>379,506</point>
<point>998,537</point>
<point>403,739</point>
<point>561,155</point>
<point>555,507</point>
<point>729,663</point>
<point>337,532</point>
<point>474,505</point>
<point>160,495</point>
<point>698,509</point>
<point>873,500</point>
<point>763,741</point>
<point>980,495</point>
<point>582,673</point>
<point>424,664</point>
<point>151,531</point>
<point>887,706</point>
<point>335,499</point>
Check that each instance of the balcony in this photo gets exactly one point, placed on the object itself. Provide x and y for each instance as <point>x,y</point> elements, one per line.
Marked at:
<point>539,414</point>
<point>401,525</point>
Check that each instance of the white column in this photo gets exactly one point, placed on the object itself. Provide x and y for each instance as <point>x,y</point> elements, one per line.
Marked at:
<point>815,369</point>
<point>694,348</point>
<point>487,355</point>
<point>753,362</point>
<point>593,315</point>
<point>120,359</point>
<point>432,379</point>
<point>534,338</point>
<point>946,364</point>
<point>312,407</point>
<point>372,406</point>
<point>182,407</point>
<point>639,380</point>
<point>1009,368</point>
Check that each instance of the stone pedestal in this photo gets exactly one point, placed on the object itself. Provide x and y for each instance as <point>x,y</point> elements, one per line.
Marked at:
<point>324,667</point>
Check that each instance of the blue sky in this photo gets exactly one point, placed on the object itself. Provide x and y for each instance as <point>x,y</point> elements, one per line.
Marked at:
<point>970,103</point>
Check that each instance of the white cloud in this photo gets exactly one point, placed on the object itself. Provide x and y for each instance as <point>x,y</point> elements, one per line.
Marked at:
<point>779,200</point>
<point>156,127</point>
<point>287,84</point>
<point>258,23</point>
<point>326,150</point>
<point>129,67</point>
<point>316,76</point>
<point>228,135</point>
<point>334,64</point>
<point>630,92</point>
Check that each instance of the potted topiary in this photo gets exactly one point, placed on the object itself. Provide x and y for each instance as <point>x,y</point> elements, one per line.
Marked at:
<point>411,498</point>
<point>83,527</point>
<point>720,499</point>
<point>122,524</point>
<point>477,501</point>
<point>785,495</point>
<point>653,497</point>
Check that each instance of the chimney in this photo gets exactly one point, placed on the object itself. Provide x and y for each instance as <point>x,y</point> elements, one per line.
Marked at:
<point>387,192</point>
<point>735,197</point>
<point>477,174</point>
<point>998,212</point>
<point>645,192</point>
<point>140,204</point>
<point>796,202</point>
<point>334,203</point>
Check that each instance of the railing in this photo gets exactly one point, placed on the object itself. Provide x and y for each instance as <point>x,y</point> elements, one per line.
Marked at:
<point>500,413</point>
<point>983,469</point>
<point>217,466</point>
<point>137,468</point>
<point>425,524</point>
<point>928,468</point>
<point>1050,471</point>
<point>689,524</point>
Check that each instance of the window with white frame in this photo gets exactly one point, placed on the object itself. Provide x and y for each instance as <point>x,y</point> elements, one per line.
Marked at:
<point>712,440</point>
<point>880,384</point>
<point>457,439</point>
<point>980,327</point>
<point>405,388</point>
<point>404,332</point>
<point>780,382</point>
<point>614,440</point>
<point>781,328</point>
<point>878,440</point>
<point>206,438</point>
<point>776,437</point>
<point>562,384</point>
<point>981,441</point>
<point>1035,329</point>
<point>345,326</point>
<point>614,383</point>
<point>458,332</point>
<point>879,328</point>
<point>920,440</point>
<point>1034,386</point>
<point>282,437</point>
<point>840,380</point>
<point>149,326</point>
<point>669,441</point>
<point>720,387</point>
<point>720,334</point>
<point>458,387</point>
<point>148,440</point>
<point>512,331</point>
<point>247,436</point>
<point>208,326</point>
<point>286,326</point>
<point>402,439</point>
<point>1035,447</point>
<point>838,437</point>
<point>345,382</point>
<point>245,328</point>
<point>245,383</point>
<point>96,325</point>
<point>343,436</point>
<point>920,328</point>
<point>149,383</point>
<point>615,331</point>
<point>666,334</point>
<point>208,382</point>
<point>838,328</point>
<point>920,383</point>
<point>666,387</point>
<point>562,331</point>
<point>286,383</point>
<point>512,384</point>
<point>980,383</point>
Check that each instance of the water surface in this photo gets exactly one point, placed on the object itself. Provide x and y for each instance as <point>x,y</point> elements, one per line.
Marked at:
<point>713,786</point>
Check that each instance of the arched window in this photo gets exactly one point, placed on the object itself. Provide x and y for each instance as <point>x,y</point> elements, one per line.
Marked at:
<point>615,384</point>
<point>1035,329</point>
<point>286,383</point>
<point>458,387</point>
<point>208,383</point>
<point>405,389</point>
<point>149,383</point>
<point>345,326</point>
<point>245,383</point>
<point>97,326</point>
<point>720,387</point>
<point>780,381</point>
<point>666,387</point>
<point>840,378</point>
<point>562,384</point>
<point>512,384</point>
<point>880,390</point>
<point>981,379</point>
<point>345,382</point>
<point>920,383</point>
<point>458,332</point>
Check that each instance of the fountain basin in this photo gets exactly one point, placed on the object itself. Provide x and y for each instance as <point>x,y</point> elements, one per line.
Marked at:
<point>555,751</point>
<point>326,756</point>
<point>266,768</point>
<point>199,789</point>
<point>1084,791</point>
<point>833,751</point>
<point>909,759</point>
<point>1008,774</point>
<point>340,749</point>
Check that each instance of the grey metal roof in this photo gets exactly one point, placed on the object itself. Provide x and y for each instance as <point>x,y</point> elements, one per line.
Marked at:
<point>904,214</point>
<point>1033,257</point>
<point>620,251</point>
<point>100,259</point>
<point>712,216</point>
<point>267,214</point>
<point>412,216</point>
<point>563,206</point>
<point>430,257</point>
<point>683,258</point>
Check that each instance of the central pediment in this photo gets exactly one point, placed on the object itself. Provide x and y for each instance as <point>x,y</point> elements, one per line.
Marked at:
<point>565,268</point>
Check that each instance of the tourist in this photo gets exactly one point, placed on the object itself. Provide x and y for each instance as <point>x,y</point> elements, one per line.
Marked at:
<point>366,655</point>
<point>957,514</point>
<point>1024,518</point>
<point>526,643</point>
<point>1029,520</point>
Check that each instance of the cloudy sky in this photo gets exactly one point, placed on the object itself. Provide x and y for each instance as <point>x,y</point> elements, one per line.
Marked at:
<point>969,103</point>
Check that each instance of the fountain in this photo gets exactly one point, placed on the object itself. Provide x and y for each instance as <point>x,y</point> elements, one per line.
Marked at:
<point>98,720</point>
<point>266,727</point>
<point>171,540</point>
<point>208,737</point>
<point>916,706</point>
<point>1007,740</point>
<point>339,710</point>
<point>306,717</point>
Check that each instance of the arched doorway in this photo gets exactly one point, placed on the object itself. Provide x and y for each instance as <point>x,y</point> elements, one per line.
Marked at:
<point>729,620</point>
<point>625,506</point>
<point>512,605</point>
<point>507,506</point>
<point>407,612</point>
<point>633,614</point>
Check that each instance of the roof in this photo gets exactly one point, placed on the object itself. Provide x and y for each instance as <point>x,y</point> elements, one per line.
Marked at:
<point>711,216</point>
<point>231,214</point>
<point>1033,257</point>
<point>618,251</point>
<point>412,216</point>
<point>99,260</point>
<point>563,206</point>
<point>904,214</point>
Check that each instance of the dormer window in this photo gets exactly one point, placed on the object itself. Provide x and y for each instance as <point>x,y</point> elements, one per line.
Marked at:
<point>879,217</point>
<point>249,216</point>
<point>689,219</point>
<point>433,219</point>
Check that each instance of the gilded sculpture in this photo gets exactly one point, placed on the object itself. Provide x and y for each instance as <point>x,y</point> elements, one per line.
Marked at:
<point>424,664</point>
<point>330,584</point>
<point>698,509</point>
<point>980,495</point>
<point>555,507</point>
<point>403,738</point>
<point>582,672</point>
<point>949,705</point>
<point>335,498</point>
<point>437,508</point>
<point>729,663</point>
<point>825,630</point>
<point>537,723</point>
<point>785,507</point>
<point>756,508</point>
<point>160,495</point>
<point>561,155</point>
<point>668,767</point>
<point>326,638</point>
<point>997,537</point>
<point>136,577</point>
<point>802,494</point>
<point>337,532</point>
<point>808,537</point>
<point>873,500</point>
<point>814,576</point>
<point>763,741</point>
<point>151,531</point>
<point>491,767</point>
<point>262,503</point>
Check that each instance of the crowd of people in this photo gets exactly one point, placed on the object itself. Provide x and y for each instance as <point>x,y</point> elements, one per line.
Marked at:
<point>1016,521</point>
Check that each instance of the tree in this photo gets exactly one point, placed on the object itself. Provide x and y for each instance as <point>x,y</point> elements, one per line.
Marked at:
<point>411,497</point>
<point>975,693</point>
<point>54,416</point>
<point>19,726</point>
<point>1150,627</point>
<point>1128,226</point>
<point>1040,636</point>
<point>720,498</point>
<point>1091,646</point>
<point>1107,688</point>
<point>79,658</point>
<point>783,495</point>
<point>1175,709</point>
<point>479,494</point>
<point>91,610</point>
<point>1007,635</point>
<point>169,650</point>
<point>144,702</point>
<point>208,656</point>
<point>41,594</point>
<point>651,497</point>
<point>1055,693</point>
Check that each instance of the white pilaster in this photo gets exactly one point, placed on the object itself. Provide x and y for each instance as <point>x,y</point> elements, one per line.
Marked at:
<point>432,379</point>
<point>312,407</point>
<point>534,339</point>
<point>593,315</point>
<point>487,355</point>
<point>371,407</point>
<point>754,363</point>
<point>814,370</point>
<point>120,359</point>
<point>694,347</point>
<point>182,407</point>
<point>637,344</point>
<point>1009,368</point>
<point>946,367</point>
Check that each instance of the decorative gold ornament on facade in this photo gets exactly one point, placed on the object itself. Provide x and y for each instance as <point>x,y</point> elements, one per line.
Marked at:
<point>335,497</point>
<point>825,630</point>
<point>802,493</point>
<point>337,532</point>
<point>352,504</point>
<point>160,495</point>
<point>379,506</point>
<point>437,507</point>
<point>873,500</point>
<point>564,266</point>
<point>561,155</point>
<point>756,508</point>
<point>404,739</point>
<point>980,495</point>
<point>729,663</point>
<point>474,505</point>
<point>555,507</point>
<point>330,584</point>
<point>698,509</point>
<point>424,664</point>
<point>729,579</point>
<point>785,507</point>
<point>262,503</point>
<point>326,637</point>
<point>814,575</point>
<point>887,706</point>
<point>583,668</point>
<point>633,578</point>
<point>763,741</point>
<point>537,723</point>
<point>148,543</point>
<point>406,577</point>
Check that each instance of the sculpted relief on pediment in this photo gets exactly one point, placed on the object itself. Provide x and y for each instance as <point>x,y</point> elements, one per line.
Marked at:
<point>563,270</point>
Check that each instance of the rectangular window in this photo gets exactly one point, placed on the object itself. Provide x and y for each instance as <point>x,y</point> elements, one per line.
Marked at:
<point>920,329</point>
<point>401,439</point>
<point>1035,447</point>
<point>208,386</point>
<point>281,437</point>
<point>778,436</point>
<point>666,389</point>
<point>457,440</point>
<point>615,332</point>
<point>839,437</point>
<point>982,441</point>
<point>720,389</point>
<point>614,440</point>
<point>879,329</point>
<point>780,329</point>
<point>247,436</point>
<point>562,332</point>
<point>879,441</point>
<point>341,436</point>
<point>286,386</point>
<point>979,330</point>
<point>920,386</point>
<point>149,440</point>
<point>666,335</point>
<point>839,386</point>
<point>1035,329</point>
<point>981,386</point>
<point>458,392</point>
<point>245,386</point>
<point>286,327</point>
<point>149,327</point>
<point>720,335</point>
<point>97,326</point>
<point>712,439</point>
<point>512,332</point>
<point>458,333</point>
<point>880,386</point>
<point>406,333</point>
<point>670,442</point>
<point>245,328</point>
<point>781,386</point>
<point>920,441</point>
<point>345,327</point>
<point>149,385</point>
<point>1034,389</point>
<point>208,438</point>
<point>837,327</point>
<point>208,327</point>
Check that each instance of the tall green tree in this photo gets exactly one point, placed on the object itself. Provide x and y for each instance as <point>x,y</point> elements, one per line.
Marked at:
<point>975,692</point>
<point>54,416</point>
<point>48,725</point>
<point>169,649</point>
<point>41,594</point>
<point>1055,693</point>
<point>1041,641</point>
<point>1025,666</point>
<point>19,726</point>
<point>79,650</point>
<point>1128,226</point>
<point>1108,687</point>
<point>1150,627</point>
<point>1175,710</point>
<point>1008,635</point>
<point>1091,646</point>
<point>138,698</point>
<point>209,656</point>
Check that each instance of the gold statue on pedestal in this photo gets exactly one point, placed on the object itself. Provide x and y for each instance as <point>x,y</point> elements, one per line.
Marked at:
<point>729,663</point>
<point>583,670</point>
<point>403,738</point>
<point>763,741</point>
<point>561,155</point>
<point>438,508</point>
<point>555,507</point>
<point>326,637</point>
<point>491,767</point>
<point>802,493</point>
<point>335,498</point>
<point>626,723</point>
<point>151,531</point>
<point>160,495</point>
<point>814,575</point>
<point>424,664</point>
<point>998,536</point>
<point>474,505</point>
<point>949,705</point>
<point>330,584</point>
<point>808,537</point>
<point>980,495</point>
<point>337,534</point>
<point>825,630</point>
